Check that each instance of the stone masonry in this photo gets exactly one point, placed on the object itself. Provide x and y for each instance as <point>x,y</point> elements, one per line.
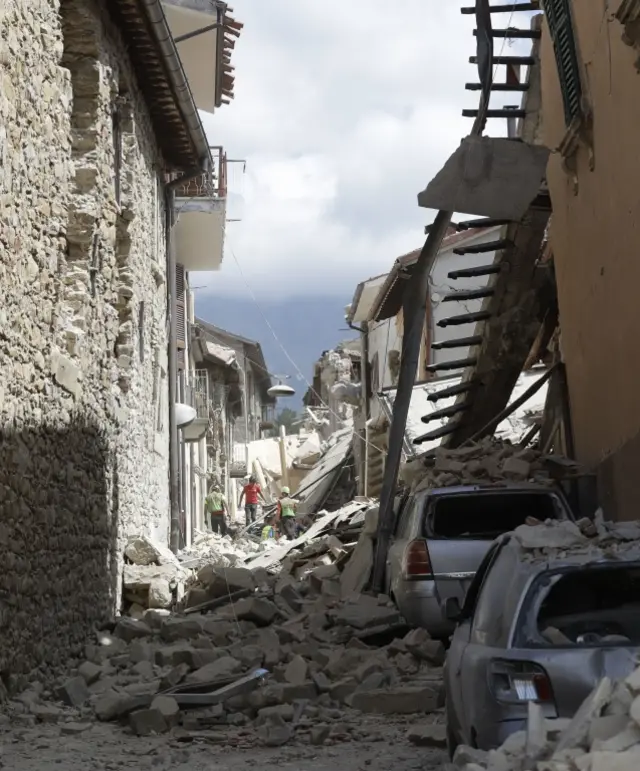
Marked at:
<point>83,386</point>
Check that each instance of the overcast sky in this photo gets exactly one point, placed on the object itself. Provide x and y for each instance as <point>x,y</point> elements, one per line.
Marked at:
<point>343,111</point>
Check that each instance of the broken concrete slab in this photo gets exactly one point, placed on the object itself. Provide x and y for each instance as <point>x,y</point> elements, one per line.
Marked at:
<point>90,672</point>
<point>357,571</point>
<point>275,732</point>
<point>366,616</point>
<point>428,735</point>
<point>129,629</point>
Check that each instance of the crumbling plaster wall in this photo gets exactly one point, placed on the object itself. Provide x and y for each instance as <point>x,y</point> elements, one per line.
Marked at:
<point>81,461</point>
<point>594,237</point>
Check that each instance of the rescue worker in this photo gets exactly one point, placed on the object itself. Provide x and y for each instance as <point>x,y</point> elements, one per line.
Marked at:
<point>286,512</point>
<point>250,493</point>
<point>215,506</point>
<point>269,530</point>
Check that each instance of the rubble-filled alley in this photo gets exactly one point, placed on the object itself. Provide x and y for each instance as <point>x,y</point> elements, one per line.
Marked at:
<point>295,667</point>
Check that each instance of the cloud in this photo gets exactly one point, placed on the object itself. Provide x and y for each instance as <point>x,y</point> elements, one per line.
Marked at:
<point>343,112</point>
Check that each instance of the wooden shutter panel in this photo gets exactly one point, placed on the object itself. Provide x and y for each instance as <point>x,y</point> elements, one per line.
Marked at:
<point>181,317</point>
<point>559,19</point>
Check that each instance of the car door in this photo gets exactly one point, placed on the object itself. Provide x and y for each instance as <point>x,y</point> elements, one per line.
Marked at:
<point>457,674</point>
<point>402,535</point>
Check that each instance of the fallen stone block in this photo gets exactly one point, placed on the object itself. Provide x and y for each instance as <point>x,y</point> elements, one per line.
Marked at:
<point>147,722</point>
<point>343,689</point>
<point>221,582</point>
<point>174,676</point>
<point>401,701</point>
<point>143,551</point>
<point>256,609</point>
<point>319,734</point>
<point>516,468</point>
<point>160,594</point>
<point>74,692</point>
<point>46,713</point>
<point>181,628</point>
<point>428,735</point>
<point>285,711</point>
<point>129,629</point>
<point>299,691</point>
<point>74,729</point>
<point>355,575</point>
<point>218,630</point>
<point>275,732</point>
<point>168,707</point>
<point>223,667</point>
<point>90,672</point>
<point>321,682</point>
<point>365,617</point>
<point>291,596</point>
<point>144,669</point>
<point>112,705</point>
<point>296,671</point>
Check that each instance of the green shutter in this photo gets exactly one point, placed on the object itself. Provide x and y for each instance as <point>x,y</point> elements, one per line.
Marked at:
<point>559,19</point>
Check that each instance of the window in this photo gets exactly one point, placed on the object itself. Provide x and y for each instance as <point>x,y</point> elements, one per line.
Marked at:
<point>486,515</point>
<point>583,605</point>
<point>560,27</point>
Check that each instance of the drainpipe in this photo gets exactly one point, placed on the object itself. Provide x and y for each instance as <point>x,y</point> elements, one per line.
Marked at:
<point>174,444</point>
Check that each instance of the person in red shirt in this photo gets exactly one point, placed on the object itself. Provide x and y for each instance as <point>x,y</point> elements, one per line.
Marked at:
<point>251,492</point>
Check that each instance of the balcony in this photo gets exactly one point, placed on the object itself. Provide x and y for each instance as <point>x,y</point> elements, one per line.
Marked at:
<point>201,208</point>
<point>196,394</point>
<point>205,56</point>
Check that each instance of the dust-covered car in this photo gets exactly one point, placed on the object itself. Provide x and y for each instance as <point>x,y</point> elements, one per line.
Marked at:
<point>541,625</point>
<point>441,536</point>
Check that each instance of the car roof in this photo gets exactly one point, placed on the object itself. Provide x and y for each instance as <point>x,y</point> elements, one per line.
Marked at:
<point>526,487</point>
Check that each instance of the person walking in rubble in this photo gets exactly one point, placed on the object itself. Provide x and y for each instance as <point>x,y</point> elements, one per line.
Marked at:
<point>251,492</point>
<point>215,506</point>
<point>286,513</point>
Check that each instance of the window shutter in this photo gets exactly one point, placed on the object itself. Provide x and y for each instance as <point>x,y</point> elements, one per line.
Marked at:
<point>181,319</point>
<point>559,19</point>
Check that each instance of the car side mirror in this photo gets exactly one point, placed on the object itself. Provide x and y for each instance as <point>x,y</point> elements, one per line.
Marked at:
<point>452,610</point>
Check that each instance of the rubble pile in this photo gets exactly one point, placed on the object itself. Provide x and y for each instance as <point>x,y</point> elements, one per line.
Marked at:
<point>488,461</point>
<point>291,651</point>
<point>604,735</point>
<point>540,540</point>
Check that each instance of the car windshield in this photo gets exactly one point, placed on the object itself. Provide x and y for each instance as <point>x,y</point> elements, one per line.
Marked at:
<point>593,605</point>
<point>487,515</point>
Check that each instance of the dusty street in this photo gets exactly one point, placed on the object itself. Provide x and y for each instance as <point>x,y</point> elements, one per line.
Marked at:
<point>361,743</point>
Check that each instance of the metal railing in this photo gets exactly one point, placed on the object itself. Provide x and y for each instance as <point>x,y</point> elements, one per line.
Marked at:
<point>197,392</point>
<point>210,185</point>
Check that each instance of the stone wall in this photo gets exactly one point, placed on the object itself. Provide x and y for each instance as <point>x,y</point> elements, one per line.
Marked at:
<point>83,387</point>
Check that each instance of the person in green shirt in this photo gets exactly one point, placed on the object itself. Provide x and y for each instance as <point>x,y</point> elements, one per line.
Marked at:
<point>286,513</point>
<point>215,507</point>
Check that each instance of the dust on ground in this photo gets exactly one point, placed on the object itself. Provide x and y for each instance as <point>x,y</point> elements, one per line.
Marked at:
<point>105,747</point>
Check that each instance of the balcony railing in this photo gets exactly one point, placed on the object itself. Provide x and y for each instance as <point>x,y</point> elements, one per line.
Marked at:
<point>197,392</point>
<point>210,185</point>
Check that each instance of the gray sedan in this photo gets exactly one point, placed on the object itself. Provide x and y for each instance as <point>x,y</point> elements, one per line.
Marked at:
<point>535,628</point>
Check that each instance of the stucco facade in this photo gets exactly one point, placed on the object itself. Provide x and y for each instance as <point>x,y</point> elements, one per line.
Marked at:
<point>83,362</point>
<point>594,237</point>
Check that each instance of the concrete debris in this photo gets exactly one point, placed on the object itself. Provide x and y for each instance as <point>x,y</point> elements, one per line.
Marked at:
<point>539,540</point>
<point>321,652</point>
<point>484,462</point>
<point>603,735</point>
